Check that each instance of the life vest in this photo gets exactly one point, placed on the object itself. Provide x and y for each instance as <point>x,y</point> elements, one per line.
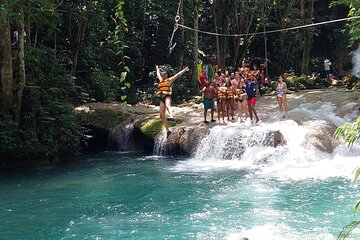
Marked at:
<point>220,95</point>
<point>229,93</point>
<point>239,92</point>
<point>164,88</point>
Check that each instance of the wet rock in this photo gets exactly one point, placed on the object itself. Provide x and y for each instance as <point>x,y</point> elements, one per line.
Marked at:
<point>274,139</point>
<point>322,138</point>
<point>183,140</point>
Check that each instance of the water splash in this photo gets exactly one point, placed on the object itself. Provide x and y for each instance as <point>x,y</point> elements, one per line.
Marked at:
<point>120,138</point>
<point>310,151</point>
<point>159,146</point>
<point>356,62</point>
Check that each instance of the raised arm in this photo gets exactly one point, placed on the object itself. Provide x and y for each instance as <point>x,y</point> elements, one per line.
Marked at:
<point>158,73</point>
<point>176,76</point>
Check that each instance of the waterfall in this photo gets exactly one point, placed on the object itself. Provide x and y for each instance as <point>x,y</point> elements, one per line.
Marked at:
<point>120,138</point>
<point>299,147</point>
<point>159,146</point>
<point>356,62</point>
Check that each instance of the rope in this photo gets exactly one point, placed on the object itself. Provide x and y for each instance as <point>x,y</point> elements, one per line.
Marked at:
<point>267,32</point>
<point>176,27</point>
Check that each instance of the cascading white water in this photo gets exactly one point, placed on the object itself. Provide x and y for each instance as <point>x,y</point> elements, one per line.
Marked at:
<point>356,62</point>
<point>120,138</point>
<point>310,150</point>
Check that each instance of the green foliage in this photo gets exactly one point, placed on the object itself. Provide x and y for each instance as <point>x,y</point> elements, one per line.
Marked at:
<point>57,127</point>
<point>353,27</point>
<point>15,142</point>
<point>347,230</point>
<point>349,131</point>
<point>351,134</point>
<point>101,118</point>
<point>295,81</point>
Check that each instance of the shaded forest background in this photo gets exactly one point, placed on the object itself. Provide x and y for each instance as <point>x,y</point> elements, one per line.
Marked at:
<point>56,54</point>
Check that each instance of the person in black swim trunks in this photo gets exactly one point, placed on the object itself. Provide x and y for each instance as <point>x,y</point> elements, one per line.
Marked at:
<point>164,92</point>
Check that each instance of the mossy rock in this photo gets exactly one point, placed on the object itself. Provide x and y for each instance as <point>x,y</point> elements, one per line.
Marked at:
<point>101,118</point>
<point>153,127</point>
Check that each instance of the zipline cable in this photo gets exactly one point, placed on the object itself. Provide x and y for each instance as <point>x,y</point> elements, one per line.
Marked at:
<point>267,32</point>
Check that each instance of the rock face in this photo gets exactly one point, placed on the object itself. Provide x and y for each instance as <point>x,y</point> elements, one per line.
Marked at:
<point>182,141</point>
<point>322,139</point>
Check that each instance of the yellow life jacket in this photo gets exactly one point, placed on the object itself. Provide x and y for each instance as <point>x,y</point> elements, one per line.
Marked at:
<point>229,93</point>
<point>164,88</point>
<point>220,95</point>
<point>239,91</point>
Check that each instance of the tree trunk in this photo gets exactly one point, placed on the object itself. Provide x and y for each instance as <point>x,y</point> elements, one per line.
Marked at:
<point>182,37</point>
<point>218,60</point>
<point>76,44</point>
<point>196,45</point>
<point>22,79</point>
<point>6,77</point>
<point>307,40</point>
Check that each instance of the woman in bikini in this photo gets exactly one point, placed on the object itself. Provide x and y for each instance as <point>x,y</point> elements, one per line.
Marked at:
<point>229,100</point>
<point>281,91</point>
<point>241,101</point>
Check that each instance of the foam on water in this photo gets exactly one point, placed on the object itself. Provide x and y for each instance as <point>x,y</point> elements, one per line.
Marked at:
<point>241,146</point>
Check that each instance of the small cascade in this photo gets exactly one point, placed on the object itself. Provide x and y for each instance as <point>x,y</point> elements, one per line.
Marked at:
<point>120,138</point>
<point>230,142</point>
<point>160,142</point>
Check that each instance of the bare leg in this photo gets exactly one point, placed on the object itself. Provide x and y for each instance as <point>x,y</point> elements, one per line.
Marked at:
<point>244,107</point>
<point>250,113</point>
<point>223,108</point>
<point>255,113</point>
<point>168,106</point>
<point>162,116</point>
<point>218,110</point>
<point>231,101</point>
<point>285,103</point>
<point>212,114</point>
<point>280,103</point>
<point>205,115</point>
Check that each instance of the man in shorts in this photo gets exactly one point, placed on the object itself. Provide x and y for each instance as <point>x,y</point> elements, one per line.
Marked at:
<point>208,93</point>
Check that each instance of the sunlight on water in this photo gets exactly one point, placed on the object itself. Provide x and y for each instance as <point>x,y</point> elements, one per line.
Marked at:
<point>238,184</point>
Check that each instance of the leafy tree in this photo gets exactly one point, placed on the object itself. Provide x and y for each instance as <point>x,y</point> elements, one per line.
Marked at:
<point>351,133</point>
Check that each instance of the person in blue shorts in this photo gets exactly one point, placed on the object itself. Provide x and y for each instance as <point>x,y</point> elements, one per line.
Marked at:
<point>208,93</point>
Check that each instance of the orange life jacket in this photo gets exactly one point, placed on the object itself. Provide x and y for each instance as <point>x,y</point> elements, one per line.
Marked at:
<point>220,95</point>
<point>229,93</point>
<point>164,88</point>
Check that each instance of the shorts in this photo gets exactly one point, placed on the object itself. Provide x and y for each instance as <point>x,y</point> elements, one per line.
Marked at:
<point>208,104</point>
<point>251,102</point>
<point>162,98</point>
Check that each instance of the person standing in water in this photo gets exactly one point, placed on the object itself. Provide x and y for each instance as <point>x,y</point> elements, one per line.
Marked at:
<point>251,95</point>
<point>281,91</point>
<point>164,92</point>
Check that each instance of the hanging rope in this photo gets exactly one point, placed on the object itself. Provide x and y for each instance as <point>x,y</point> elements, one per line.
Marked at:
<point>266,32</point>
<point>176,27</point>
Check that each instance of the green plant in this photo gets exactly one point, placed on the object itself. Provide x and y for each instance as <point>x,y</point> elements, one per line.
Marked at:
<point>351,133</point>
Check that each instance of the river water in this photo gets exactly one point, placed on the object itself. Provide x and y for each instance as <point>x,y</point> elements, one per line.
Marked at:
<point>299,192</point>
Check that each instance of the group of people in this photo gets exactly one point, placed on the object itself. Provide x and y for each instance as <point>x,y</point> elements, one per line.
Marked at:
<point>238,90</point>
